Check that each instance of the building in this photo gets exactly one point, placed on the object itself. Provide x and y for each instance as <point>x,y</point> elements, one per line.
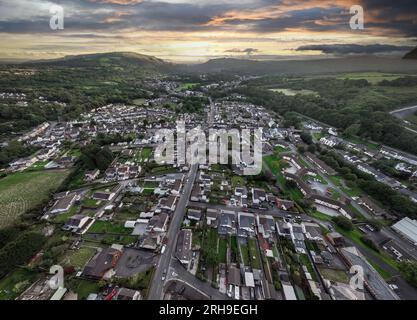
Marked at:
<point>211,217</point>
<point>247,224</point>
<point>194,214</point>
<point>258,195</point>
<point>169,203</point>
<point>158,223</point>
<point>76,222</point>
<point>101,266</point>
<point>91,175</point>
<point>128,294</point>
<point>227,222</point>
<point>63,204</point>
<point>183,251</point>
<point>103,196</point>
<point>407,228</point>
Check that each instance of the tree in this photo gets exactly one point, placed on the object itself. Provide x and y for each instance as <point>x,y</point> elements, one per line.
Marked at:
<point>312,148</point>
<point>306,137</point>
<point>409,271</point>
<point>343,223</point>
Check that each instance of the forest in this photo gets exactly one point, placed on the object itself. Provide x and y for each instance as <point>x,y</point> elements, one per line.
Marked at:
<point>356,107</point>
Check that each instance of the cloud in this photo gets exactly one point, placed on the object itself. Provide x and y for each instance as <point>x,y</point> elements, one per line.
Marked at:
<point>354,48</point>
<point>248,51</point>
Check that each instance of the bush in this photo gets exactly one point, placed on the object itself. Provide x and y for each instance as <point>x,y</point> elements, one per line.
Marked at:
<point>343,223</point>
<point>370,243</point>
<point>20,251</point>
<point>409,271</point>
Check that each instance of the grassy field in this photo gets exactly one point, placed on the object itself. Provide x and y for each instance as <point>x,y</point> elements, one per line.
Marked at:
<point>23,191</point>
<point>254,254</point>
<point>108,227</point>
<point>78,258</point>
<point>334,275</point>
<point>222,250</point>
<point>371,77</point>
<point>291,92</point>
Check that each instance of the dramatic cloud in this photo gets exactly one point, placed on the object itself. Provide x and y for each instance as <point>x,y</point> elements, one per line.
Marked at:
<point>354,48</point>
<point>206,28</point>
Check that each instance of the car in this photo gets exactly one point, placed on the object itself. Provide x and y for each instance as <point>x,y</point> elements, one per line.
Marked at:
<point>163,278</point>
<point>163,249</point>
<point>393,287</point>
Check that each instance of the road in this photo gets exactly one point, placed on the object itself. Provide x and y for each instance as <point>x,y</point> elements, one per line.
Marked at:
<point>403,112</point>
<point>157,285</point>
<point>181,274</point>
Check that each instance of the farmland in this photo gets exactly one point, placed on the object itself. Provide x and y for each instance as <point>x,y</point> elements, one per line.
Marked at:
<point>24,191</point>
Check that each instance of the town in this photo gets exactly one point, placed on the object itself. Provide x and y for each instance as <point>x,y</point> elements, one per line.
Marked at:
<point>125,227</point>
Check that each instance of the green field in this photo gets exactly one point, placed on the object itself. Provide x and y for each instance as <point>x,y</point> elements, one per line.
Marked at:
<point>371,77</point>
<point>78,258</point>
<point>292,92</point>
<point>20,192</point>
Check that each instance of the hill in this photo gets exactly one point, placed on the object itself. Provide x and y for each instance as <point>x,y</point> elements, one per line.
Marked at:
<point>299,67</point>
<point>111,59</point>
<point>411,55</point>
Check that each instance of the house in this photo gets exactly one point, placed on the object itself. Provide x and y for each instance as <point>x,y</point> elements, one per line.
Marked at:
<point>284,228</point>
<point>227,222</point>
<point>194,214</point>
<point>258,195</point>
<point>266,226</point>
<point>169,203</point>
<point>176,188</point>
<point>336,239</point>
<point>111,174</point>
<point>101,266</point>
<point>158,223</point>
<point>247,224</point>
<point>241,192</point>
<point>233,276</point>
<point>183,250</point>
<point>103,196</point>
<point>63,204</point>
<point>196,193</point>
<point>128,294</point>
<point>76,222</point>
<point>91,175</point>
<point>211,217</point>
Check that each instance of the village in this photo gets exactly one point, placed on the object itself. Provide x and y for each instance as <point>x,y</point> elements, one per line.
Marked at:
<point>142,230</point>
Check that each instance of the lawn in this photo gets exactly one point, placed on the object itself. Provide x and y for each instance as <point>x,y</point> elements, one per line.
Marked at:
<point>245,254</point>
<point>238,181</point>
<point>20,192</point>
<point>143,155</point>
<point>334,275</point>
<point>15,283</point>
<point>306,261</point>
<point>222,250</point>
<point>254,254</point>
<point>108,227</point>
<point>78,258</point>
<point>84,288</point>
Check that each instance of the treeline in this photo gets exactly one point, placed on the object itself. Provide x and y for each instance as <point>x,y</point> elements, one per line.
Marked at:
<point>400,82</point>
<point>15,150</point>
<point>19,249</point>
<point>94,156</point>
<point>350,105</point>
<point>394,200</point>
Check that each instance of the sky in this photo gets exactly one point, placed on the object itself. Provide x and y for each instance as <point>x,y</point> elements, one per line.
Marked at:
<point>197,30</point>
